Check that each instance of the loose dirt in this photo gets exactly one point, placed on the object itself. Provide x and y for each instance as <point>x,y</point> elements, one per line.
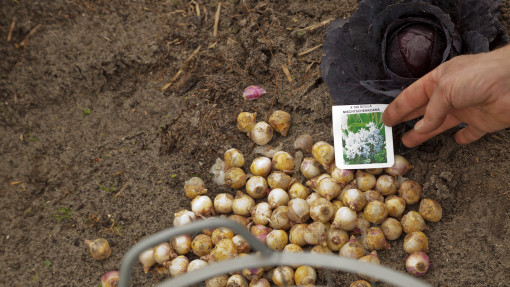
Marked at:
<point>92,147</point>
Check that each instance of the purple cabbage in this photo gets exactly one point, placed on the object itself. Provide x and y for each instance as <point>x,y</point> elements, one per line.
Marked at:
<point>388,44</point>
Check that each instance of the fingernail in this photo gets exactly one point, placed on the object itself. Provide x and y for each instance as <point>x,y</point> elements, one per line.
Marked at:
<point>418,125</point>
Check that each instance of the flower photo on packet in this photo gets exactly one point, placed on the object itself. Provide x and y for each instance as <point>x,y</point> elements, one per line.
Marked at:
<point>361,138</point>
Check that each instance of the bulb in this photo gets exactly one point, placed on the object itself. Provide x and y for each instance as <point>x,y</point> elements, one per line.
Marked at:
<point>400,167</point>
<point>395,205</point>
<point>374,239</point>
<point>202,205</point>
<point>299,210</point>
<point>354,199</point>
<point>178,266</point>
<point>196,264</point>
<point>262,282</point>
<point>261,166</point>
<point>194,187</point>
<point>223,203</point>
<point>342,176</point>
<point>321,249</point>
<point>181,244</point>
<point>225,249</point>
<point>283,276</point>
<point>260,232</point>
<point>305,275</point>
<point>233,158</point>
<point>277,197</point>
<point>386,185</point>
<point>298,190</point>
<point>280,218</point>
<point>184,217</point>
<point>261,213</point>
<point>410,191</point>
<point>352,249</point>
<point>293,248</point>
<point>360,283</point>
<point>391,228</point>
<point>337,204</point>
<point>365,181</point>
<point>413,221</point>
<point>283,161</point>
<point>99,248</point>
<point>242,204</point>
<point>246,121</point>
<point>336,238</point>
<point>261,133</point>
<point>217,281</point>
<point>328,188</point>
<point>310,167</point>
<point>361,223</point>
<point>322,210</point>
<point>201,245</point>
<point>237,280</point>
<point>242,246</point>
<point>253,92</point>
<point>235,177</point>
<point>251,273</point>
<point>221,233</point>
<point>375,212</point>
<point>297,234</point>
<point>417,263</point>
<point>315,233</point>
<point>147,259</point>
<point>370,258</point>
<point>280,122</point>
<point>278,179</point>
<point>110,279</point>
<point>345,218</point>
<point>304,142</point>
<point>218,172</point>
<point>372,195</point>
<point>324,153</point>
<point>277,240</point>
<point>430,210</point>
<point>163,252</point>
<point>416,242</point>
<point>256,187</point>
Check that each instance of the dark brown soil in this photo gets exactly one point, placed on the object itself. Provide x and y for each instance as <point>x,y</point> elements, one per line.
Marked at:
<point>92,147</point>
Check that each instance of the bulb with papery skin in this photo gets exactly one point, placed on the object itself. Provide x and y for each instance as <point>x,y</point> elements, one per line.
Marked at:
<point>110,279</point>
<point>324,153</point>
<point>246,121</point>
<point>418,263</point>
<point>261,166</point>
<point>430,210</point>
<point>99,248</point>
<point>201,245</point>
<point>280,121</point>
<point>261,133</point>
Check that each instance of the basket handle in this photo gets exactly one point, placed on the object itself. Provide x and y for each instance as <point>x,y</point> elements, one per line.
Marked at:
<point>264,257</point>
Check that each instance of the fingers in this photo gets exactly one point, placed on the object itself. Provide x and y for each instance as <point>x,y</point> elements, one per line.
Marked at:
<point>468,134</point>
<point>411,100</point>
<point>413,138</point>
<point>436,111</point>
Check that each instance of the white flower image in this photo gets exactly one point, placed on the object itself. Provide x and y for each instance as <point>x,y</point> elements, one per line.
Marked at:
<point>365,143</point>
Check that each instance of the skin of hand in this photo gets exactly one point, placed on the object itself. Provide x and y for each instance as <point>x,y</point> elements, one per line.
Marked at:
<point>470,89</point>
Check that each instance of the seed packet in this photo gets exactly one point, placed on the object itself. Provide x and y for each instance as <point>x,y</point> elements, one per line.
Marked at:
<point>361,138</point>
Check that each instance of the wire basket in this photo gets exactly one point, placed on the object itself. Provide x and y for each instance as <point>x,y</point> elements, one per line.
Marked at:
<point>264,256</point>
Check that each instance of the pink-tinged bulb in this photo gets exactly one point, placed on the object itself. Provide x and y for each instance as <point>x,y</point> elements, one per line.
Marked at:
<point>418,263</point>
<point>253,93</point>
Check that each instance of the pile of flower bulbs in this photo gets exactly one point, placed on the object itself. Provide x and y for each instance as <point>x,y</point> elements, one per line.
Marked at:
<point>352,213</point>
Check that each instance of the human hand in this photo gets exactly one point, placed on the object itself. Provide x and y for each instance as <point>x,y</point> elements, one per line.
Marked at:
<point>473,89</point>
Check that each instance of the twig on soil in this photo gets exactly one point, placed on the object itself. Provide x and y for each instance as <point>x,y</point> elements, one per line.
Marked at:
<point>25,41</point>
<point>217,20</point>
<point>197,7</point>
<point>315,26</point>
<point>309,50</point>
<point>176,76</point>
<point>9,36</point>
<point>287,73</point>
